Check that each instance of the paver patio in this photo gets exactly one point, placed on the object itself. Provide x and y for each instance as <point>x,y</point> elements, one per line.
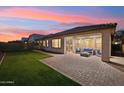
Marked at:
<point>86,71</point>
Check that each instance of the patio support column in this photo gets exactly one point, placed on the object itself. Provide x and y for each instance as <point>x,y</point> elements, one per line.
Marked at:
<point>94,41</point>
<point>73,44</point>
<point>106,46</point>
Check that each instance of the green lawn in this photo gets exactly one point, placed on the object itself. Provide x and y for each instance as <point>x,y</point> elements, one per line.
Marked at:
<point>24,68</point>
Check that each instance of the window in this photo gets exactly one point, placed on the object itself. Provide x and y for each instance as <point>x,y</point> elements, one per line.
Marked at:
<point>56,43</point>
<point>37,41</point>
<point>88,43</point>
<point>78,43</point>
<point>46,43</point>
<point>98,43</point>
<point>41,42</point>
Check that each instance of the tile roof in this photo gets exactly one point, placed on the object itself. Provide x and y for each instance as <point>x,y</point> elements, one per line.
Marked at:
<point>82,28</point>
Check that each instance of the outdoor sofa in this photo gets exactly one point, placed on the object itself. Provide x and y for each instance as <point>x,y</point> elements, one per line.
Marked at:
<point>87,52</point>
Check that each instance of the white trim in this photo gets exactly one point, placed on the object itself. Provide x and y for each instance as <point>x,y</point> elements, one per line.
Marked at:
<point>64,45</point>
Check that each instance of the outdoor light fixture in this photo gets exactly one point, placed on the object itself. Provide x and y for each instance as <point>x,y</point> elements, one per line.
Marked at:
<point>116,43</point>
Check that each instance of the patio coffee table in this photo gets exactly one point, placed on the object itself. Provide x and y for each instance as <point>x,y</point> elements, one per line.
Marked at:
<point>85,54</point>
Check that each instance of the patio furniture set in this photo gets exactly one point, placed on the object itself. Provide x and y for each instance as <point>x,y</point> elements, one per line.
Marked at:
<point>87,52</point>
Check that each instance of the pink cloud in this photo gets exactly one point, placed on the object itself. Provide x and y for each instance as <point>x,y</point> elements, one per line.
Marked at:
<point>16,34</point>
<point>46,15</point>
<point>30,13</point>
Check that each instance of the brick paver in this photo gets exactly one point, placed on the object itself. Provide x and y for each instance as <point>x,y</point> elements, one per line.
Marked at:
<point>86,71</point>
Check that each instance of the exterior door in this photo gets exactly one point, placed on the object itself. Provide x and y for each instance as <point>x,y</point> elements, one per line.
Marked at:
<point>69,45</point>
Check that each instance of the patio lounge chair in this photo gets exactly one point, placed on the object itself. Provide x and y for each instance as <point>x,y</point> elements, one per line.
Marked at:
<point>78,50</point>
<point>98,52</point>
<point>86,52</point>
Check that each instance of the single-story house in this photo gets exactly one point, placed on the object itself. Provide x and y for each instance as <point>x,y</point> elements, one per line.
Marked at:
<point>34,37</point>
<point>93,36</point>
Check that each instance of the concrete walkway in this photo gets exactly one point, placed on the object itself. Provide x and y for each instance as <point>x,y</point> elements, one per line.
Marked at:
<point>2,58</point>
<point>86,71</point>
<point>117,60</point>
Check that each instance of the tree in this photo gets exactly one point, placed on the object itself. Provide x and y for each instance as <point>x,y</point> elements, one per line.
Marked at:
<point>119,36</point>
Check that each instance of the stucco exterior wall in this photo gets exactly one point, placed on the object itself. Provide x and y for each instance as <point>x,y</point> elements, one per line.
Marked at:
<point>106,46</point>
<point>106,42</point>
<point>55,50</point>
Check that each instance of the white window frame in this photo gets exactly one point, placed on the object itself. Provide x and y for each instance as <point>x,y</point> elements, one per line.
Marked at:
<point>58,41</point>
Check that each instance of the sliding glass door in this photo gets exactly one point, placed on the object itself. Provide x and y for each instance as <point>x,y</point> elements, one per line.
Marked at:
<point>69,44</point>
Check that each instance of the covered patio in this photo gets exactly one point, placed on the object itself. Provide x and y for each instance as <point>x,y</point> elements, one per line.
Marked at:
<point>93,40</point>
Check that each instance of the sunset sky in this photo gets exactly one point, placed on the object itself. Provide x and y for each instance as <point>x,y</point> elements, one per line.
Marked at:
<point>17,22</point>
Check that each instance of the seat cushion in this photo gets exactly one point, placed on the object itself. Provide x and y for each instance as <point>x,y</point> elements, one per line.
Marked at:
<point>89,50</point>
<point>85,54</point>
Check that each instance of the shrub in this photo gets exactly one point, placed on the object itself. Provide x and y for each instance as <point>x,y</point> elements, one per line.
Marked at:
<point>11,47</point>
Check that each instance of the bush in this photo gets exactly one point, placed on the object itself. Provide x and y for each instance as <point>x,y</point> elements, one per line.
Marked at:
<point>116,47</point>
<point>11,47</point>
